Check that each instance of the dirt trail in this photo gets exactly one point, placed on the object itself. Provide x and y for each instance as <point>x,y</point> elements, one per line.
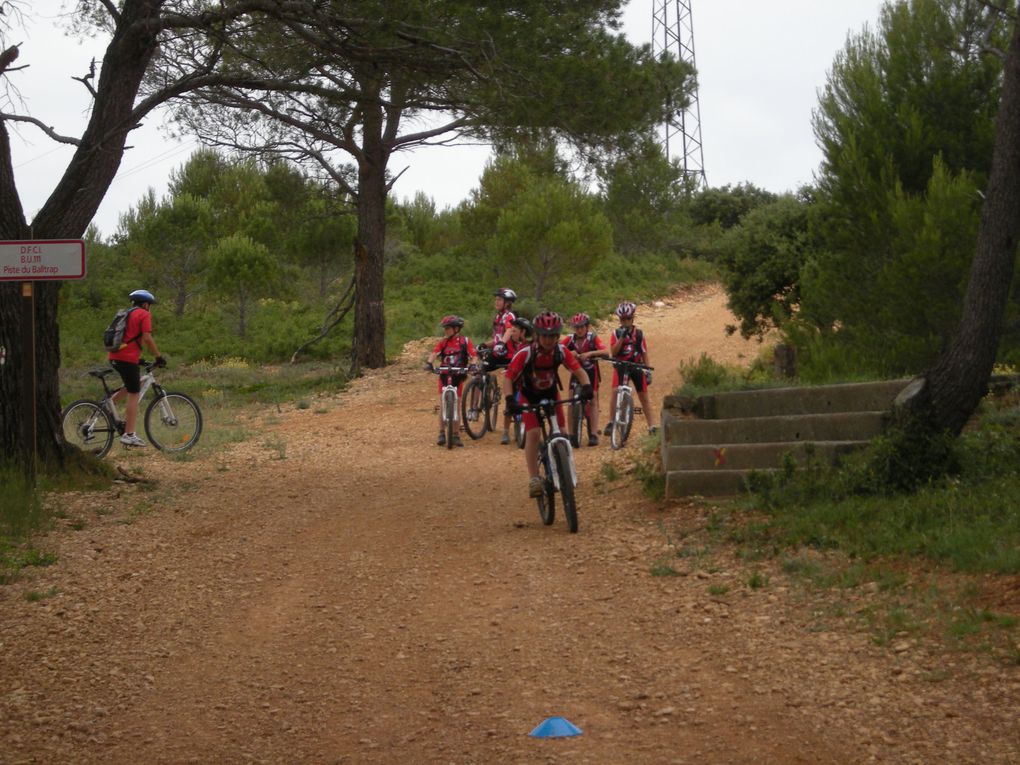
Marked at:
<point>371,598</point>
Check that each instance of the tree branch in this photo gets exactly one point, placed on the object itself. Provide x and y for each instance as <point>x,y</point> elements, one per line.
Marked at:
<point>43,127</point>
<point>341,310</point>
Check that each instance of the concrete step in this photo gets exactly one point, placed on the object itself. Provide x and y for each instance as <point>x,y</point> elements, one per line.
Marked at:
<point>751,456</point>
<point>706,483</point>
<point>845,426</point>
<point>774,402</point>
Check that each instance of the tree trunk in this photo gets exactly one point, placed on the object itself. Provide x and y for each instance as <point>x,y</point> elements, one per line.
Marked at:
<point>242,314</point>
<point>953,388</point>
<point>369,315</point>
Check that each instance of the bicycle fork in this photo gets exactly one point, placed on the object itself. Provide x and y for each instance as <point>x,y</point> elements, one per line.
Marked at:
<point>551,461</point>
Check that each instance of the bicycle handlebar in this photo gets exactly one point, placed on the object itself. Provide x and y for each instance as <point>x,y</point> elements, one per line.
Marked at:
<point>449,370</point>
<point>547,402</point>
<point>631,364</point>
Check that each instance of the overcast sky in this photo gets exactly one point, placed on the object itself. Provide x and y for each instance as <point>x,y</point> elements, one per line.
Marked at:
<point>760,67</point>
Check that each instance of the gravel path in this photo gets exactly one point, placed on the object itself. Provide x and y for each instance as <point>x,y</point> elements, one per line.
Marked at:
<point>371,598</point>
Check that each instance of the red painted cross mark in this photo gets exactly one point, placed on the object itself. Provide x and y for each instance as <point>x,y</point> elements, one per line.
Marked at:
<point>720,457</point>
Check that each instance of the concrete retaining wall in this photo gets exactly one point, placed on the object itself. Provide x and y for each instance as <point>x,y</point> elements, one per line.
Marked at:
<point>711,444</point>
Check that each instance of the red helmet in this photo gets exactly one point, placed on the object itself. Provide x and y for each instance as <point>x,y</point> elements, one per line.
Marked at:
<point>626,310</point>
<point>506,293</point>
<point>580,320</point>
<point>452,321</point>
<point>548,323</point>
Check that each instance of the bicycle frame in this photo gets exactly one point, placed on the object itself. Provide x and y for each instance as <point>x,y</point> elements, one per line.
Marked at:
<point>551,433</point>
<point>448,386</point>
<point>623,414</point>
<point>148,380</point>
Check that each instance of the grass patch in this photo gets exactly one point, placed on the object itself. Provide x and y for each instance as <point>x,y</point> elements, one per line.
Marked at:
<point>757,580</point>
<point>610,472</point>
<point>34,596</point>
<point>705,376</point>
<point>663,568</point>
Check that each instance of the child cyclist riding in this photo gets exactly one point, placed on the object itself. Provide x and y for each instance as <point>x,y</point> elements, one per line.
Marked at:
<point>627,343</point>
<point>454,350</point>
<point>533,371</point>
<point>588,347</point>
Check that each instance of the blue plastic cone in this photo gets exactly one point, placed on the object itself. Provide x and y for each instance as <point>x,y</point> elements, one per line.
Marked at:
<point>555,727</point>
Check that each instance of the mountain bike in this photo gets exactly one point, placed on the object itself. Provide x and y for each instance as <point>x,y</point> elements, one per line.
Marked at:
<point>173,421</point>
<point>555,464</point>
<point>579,415</point>
<point>623,418</point>
<point>449,400</point>
<point>479,406</point>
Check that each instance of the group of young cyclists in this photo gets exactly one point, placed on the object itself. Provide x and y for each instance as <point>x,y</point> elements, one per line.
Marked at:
<point>531,353</point>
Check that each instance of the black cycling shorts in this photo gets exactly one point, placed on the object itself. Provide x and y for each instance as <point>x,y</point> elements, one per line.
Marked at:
<point>130,373</point>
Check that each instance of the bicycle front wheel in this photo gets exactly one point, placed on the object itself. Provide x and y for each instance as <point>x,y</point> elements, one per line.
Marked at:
<point>173,422</point>
<point>561,463</point>
<point>624,420</point>
<point>449,414</point>
<point>87,426</point>
<point>519,432</point>
<point>492,394</point>
<point>547,502</point>
<point>472,404</point>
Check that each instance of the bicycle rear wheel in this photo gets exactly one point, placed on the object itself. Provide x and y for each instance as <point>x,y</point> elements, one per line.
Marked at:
<point>474,399</point>
<point>624,420</point>
<point>576,416</point>
<point>173,422</point>
<point>87,425</point>
<point>492,395</point>
<point>561,460</point>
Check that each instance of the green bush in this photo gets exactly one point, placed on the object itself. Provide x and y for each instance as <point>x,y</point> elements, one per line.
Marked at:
<point>944,499</point>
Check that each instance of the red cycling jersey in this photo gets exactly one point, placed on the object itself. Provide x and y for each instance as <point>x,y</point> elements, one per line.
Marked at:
<point>503,321</point>
<point>533,372</point>
<point>590,342</point>
<point>453,352</point>
<point>139,321</point>
<point>633,349</point>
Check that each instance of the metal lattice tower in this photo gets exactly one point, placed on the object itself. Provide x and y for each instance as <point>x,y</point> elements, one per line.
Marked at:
<point>673,32</point>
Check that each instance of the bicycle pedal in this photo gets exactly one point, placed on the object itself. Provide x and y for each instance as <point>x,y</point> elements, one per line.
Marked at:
<point>638,410</point>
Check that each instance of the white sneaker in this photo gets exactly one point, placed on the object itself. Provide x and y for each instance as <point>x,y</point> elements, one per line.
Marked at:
<point>131,439</point>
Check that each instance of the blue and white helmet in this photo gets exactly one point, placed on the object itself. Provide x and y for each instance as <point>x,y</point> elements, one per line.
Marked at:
<point>142,296</point>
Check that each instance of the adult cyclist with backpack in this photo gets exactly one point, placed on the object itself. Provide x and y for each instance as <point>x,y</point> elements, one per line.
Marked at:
<point>533,372</point>
<point>589,348</point>
<point>454,350</point>
<point>135,331</point>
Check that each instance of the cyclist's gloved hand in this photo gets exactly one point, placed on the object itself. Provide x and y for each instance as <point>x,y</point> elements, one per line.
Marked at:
<point>587,393</point>
<point>160,362</point>
<point>427,366</point>
<point>473,369</point>
<point>513,406</point>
